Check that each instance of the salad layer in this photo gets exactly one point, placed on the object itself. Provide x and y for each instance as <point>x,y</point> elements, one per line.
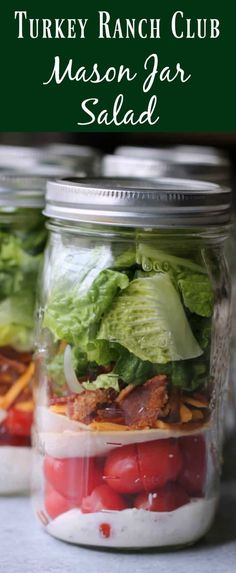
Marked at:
<point>131,338</point>
<point>22,241</point>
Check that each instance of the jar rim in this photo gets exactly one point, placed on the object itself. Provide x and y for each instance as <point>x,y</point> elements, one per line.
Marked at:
<point>17,190</point>
<point>155,202</point>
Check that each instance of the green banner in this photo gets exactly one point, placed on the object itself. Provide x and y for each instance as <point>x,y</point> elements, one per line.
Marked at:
<point>162,66</point>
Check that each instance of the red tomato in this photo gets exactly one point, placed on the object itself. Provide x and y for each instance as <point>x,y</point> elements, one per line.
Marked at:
<point>55,503</point>
<point>193,474</point>
<point>103,497</point>
<point>166,498</point>
<point>145,466</point>
<point>160,461</point>
<point>121,470</point>
<point>18,423</point>
<point>73,477</point>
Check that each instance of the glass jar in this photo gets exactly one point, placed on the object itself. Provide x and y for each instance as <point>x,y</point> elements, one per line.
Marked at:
<point>22,241</point>
<point>132,356</point>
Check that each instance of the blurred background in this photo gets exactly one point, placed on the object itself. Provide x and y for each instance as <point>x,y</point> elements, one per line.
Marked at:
<point>107,142</point>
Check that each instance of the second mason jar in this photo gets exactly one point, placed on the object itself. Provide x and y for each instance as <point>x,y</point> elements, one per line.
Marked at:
<point>22,242</point>
<point>132,356</point>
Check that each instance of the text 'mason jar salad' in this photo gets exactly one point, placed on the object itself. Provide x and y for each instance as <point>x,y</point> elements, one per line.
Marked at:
<point>22,242</point>
<point>132,354</point>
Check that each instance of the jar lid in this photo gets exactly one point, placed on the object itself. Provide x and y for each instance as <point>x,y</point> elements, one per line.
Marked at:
<point>197,162</point>
<point>154,153</point>
<point>14,157</point>
<point>83,159</point>
<point>199,154</point>
<point>18,190</point>
<point>122,166</point>
<point>139,202</point>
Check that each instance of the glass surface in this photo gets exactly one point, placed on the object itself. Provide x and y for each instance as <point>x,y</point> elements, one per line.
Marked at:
<point>132,356</point>
<point>22,241</point>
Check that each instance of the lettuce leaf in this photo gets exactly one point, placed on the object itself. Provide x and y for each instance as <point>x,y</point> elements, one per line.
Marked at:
<point>189,277</point>
<point>105,381</point>
<point>17,320</point>
<point>132,370</point>
<point>75,317</point>
<point>149,320</point>
<point>151,258</point>
<point>197,293</point>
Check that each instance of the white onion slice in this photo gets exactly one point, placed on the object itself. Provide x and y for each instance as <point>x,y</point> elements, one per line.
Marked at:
<point>69,372</point>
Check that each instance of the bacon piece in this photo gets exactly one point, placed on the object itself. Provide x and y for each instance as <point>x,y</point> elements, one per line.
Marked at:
<point>125,392</point>
<point>110,413</point>
<point>86,404</point>
<point>8,363</point>
<point>142,407</point>
<point>171,414</point>
<point>12,354</point>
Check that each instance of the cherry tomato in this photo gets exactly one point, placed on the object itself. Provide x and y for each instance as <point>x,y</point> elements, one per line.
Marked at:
<point>73,477</point>
<point>121,470</point>
<point>193,474</point>
<point>167,498</point>
<point>103,497</point>
<point>18,423</point>
<point>145,466</point>
<point>159,461</point>
<point>55,503</point>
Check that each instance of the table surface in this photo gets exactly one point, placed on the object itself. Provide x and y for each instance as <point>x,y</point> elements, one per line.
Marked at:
<point>26,548</point>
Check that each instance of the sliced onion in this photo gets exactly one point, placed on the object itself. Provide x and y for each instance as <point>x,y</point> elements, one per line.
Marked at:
<point>3,415</point>
<point>69,372</point>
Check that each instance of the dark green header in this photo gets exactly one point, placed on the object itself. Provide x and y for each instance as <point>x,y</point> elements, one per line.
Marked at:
<point>118,66</point>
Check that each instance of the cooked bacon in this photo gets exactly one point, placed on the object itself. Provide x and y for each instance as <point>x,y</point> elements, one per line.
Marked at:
<point>12,354</point>
<point>87,403</point>
<point>172,412</point>
<point>125,392</point>
<point>110,413</point>
<point>7,363</point>
<point>142,407</point>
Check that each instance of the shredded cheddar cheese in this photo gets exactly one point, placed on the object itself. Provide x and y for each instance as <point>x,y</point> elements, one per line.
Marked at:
<point>58,408</point>
<point>196,403</point>
<point>107,426</point>
<point>185,414</point>
<point>20,384</point>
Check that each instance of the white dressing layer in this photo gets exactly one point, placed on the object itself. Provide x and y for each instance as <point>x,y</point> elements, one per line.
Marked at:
<point>135,528</point>
<point>63,438</point>
<point>15,470</point>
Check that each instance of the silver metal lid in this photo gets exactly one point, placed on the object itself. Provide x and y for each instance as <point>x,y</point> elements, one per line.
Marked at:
<point>199,154</point>
<point>200,163</point>
<point>139,202</point>
<point>122,166</point>
<point>13,157</point>
<point>84,160</point>
<point>21,191</point>
<point>151,153</point>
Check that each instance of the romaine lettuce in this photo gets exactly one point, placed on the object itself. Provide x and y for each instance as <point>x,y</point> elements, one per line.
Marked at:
<point>74,317</point>
<point>149,320</point>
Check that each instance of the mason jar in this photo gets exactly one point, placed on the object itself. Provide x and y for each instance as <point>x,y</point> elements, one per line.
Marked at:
<point>132,357</point>
<point>22,242</point>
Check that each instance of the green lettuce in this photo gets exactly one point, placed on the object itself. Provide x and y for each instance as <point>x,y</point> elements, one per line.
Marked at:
<point>133,370</point>
<point>149,320</point>
<point>197,294</point>
<point>17,320</point>
<point>105,381</point>
<point>75,317</point>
